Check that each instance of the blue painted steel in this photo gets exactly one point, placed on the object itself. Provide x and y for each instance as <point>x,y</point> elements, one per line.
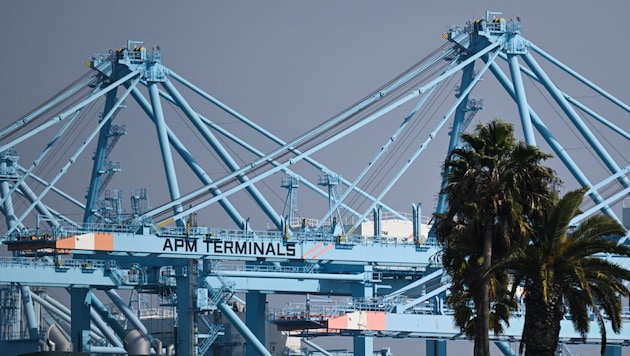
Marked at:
<point>456,129</point>
<point>80,149</point>
<point>613,350</point>
<point>578,104</point>
<point>555,145</point>
<point>521,100</point>
<point>505,348</point>
<point>311,261</point>
<point>436,347</point>
<point>378,155</point>
<point>458,67</point>
<point>33,325</point>
<point>416,211</point>
<point>185,318</point>
<point>190,160</point>
<point>574,117</point>
<point>42,109</point>
<point>363,344</point>
<point>99,161</point>
<point>278,168</point>
<point>20,181</point>
<point>223,153</point>
<point>110,320</point>
<point>320,129</point>
<point>579,77</point>
<point>598,117</point>
<point>437,128</point>
<point>242,328</point>
<point>80,307</point>
<point>103,327</point>
<point>275,139</point>
<point>63,116</point>
<point>7,205</point>
<point>167,158</point>
<point>255,319</point>
<point>42,210</point>
<point>129,314</point>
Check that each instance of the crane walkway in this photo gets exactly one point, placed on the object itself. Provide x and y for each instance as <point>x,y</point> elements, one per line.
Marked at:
<point>224,244</point>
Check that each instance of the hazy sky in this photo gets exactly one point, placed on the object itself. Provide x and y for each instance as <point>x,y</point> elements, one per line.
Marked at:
<point>289,65</point>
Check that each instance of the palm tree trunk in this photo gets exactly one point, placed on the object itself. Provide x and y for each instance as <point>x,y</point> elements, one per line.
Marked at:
<point>542,322</point>
<point>482,340</point>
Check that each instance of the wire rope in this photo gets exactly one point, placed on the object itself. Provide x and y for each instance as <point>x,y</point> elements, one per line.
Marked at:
<point>406,141</point>
<point>344,124</point>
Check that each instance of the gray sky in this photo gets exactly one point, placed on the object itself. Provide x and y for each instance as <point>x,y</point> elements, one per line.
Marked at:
<point>289,65</point>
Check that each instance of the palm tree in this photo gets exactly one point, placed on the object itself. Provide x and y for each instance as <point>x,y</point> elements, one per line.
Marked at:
<point>495,185</point>
<point>565,269</point>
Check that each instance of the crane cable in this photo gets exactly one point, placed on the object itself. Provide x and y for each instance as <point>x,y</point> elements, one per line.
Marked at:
<point>347,122</point>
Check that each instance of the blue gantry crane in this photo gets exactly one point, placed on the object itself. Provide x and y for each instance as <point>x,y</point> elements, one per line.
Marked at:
<point>213,158</point>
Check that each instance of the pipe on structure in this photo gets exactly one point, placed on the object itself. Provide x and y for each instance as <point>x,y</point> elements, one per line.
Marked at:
<point>316,347</point>
<point>137,323</point>
<point>231,315</point>
<point>59,306</point>
<point>363,276</point>
<point>107,350</point>
<point>504,347</point>
<point>131,317</point>
<point>33,328</point>
<point>98,306</point>
<point>111,334</point>
<point>60,310</point>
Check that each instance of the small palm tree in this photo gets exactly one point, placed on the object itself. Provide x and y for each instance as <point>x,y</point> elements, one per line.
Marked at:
<point>564,270</point>
<point>495,185</point>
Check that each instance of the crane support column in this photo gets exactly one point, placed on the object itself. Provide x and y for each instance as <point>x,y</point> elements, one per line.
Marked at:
<point>255,319</point>
<point>185,317</point>
<point>363,345</point>
<point>80,323</point>
<point>613,350</point>
<point>436,347</point>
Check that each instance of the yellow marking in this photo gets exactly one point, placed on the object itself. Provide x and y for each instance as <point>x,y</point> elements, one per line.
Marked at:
<point>165,222</point>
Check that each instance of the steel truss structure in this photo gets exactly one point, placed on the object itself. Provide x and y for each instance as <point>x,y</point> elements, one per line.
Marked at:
<point>396,287</point>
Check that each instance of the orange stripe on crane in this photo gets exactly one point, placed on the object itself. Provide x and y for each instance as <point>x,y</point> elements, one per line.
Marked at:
<point>92,241</point>
<point>103,242</point>
<point>67,243</point>
<point>359,320</point>
<point>312,249</point>
<point>339,323</point>
<point>375,320</point>
<point>324,250</point>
